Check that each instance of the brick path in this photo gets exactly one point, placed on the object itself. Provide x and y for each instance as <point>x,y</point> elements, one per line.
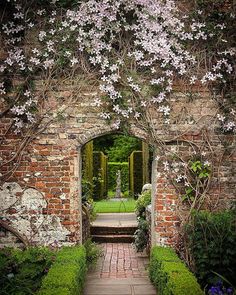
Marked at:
<point>122,261</point>
<point>121,271</point>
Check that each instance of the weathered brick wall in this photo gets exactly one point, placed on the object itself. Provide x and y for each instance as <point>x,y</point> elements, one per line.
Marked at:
<point>42,198</point>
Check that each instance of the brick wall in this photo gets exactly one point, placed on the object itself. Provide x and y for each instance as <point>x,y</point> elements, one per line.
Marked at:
<point>42,197</point>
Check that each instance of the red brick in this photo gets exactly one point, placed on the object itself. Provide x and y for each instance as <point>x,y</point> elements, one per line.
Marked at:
<point>54,201</point>
<point>40,185</point>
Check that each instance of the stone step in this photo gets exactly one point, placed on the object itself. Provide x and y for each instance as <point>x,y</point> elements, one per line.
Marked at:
<point>113,230</point>
<point>117,238</point>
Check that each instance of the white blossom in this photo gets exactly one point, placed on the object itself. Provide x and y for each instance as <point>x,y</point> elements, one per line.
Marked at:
<point>42,35</point>
<point>166,166</point>
<point>74,61</point>
<point>97,102</point>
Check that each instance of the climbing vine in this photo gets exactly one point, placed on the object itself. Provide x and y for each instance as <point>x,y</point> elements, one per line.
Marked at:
<point>136,51</point>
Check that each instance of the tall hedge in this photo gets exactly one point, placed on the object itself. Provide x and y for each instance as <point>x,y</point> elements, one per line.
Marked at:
<point>136,173</point>
<point>99,175</point>
<point>113,167</point>
<point>104,175</point>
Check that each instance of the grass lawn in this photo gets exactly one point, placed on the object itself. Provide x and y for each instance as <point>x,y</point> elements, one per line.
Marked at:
<point>114,206</point>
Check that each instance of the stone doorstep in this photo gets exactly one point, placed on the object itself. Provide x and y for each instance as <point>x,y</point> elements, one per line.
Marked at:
<point>115,230</point>
<point>120,290</point>
<point>113,238</point>
<point>131,281</point>
<point>119,287</point>
<point>115,220</point>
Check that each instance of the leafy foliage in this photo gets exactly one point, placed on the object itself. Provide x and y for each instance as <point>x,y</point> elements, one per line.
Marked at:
<point>122,148</point>
<point>169,274</point>
<point>93,252</point>
<point>198,180</point>
<point>23,271</point>
<point>142,202</point>
<point>141,235</point>
<point>201,170</point>
<point>212,244</point>
<point>117,147</point>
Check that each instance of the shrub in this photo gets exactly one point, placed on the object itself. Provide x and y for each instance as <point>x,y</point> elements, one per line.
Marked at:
<point>142,202</point>
<point>141,234</point>
<point>212,245</point>
<point>67,274</point>
<point>170,275</point>
<point>22,271</point>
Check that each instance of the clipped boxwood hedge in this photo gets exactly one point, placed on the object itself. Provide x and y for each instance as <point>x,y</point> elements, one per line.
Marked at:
<point>67,274</point>
<point>170,275</point>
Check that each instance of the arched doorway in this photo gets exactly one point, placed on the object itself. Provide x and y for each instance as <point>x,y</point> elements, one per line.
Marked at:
<point>105,186</point>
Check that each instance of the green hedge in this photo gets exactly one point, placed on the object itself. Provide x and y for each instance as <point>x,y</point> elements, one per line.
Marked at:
<point>170,275</point>
<point>67,274</point>
<point>99,175</point>
<point>136,173</point>
<point>113,167</point>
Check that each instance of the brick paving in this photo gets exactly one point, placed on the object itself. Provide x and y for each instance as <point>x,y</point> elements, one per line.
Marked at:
<point>120,260</point>
<point>121,270</point>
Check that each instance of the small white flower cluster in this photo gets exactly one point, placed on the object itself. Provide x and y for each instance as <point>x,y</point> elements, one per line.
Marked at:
<point>182,179</point>
<point>24,110</point>
<point>228,126</point>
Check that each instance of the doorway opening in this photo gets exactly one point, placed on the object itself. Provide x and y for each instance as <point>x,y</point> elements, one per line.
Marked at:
<point>115,170</point>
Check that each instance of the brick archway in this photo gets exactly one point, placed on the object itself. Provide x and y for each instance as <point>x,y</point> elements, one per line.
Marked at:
<point>96,133</point>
